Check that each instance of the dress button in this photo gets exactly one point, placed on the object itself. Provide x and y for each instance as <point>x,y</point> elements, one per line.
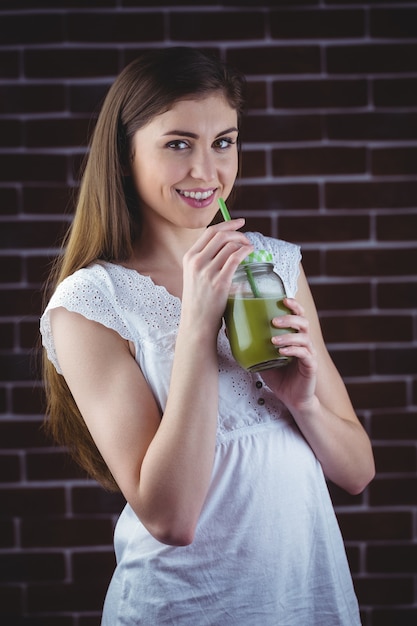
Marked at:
<point>261,401</point>
<point>258,384</point>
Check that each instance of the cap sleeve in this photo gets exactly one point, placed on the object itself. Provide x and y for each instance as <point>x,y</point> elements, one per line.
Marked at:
<point>88,293</point>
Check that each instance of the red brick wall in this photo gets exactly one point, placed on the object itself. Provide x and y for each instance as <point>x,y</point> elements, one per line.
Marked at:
<point>331,163</point>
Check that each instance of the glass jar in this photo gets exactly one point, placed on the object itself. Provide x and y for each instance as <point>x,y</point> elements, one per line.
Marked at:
<point>255,298</point>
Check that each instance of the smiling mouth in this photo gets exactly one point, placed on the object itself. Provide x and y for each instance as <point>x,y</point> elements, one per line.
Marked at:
<point>196,195</point>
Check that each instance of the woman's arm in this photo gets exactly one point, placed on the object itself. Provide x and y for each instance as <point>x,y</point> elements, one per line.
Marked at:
<point>313,390</point>
<point>162,463</point>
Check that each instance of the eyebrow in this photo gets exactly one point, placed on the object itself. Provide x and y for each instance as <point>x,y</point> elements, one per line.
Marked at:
<point>186,133</point>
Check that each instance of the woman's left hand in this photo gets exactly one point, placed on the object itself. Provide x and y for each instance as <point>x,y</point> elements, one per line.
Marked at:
<point>295,383</point>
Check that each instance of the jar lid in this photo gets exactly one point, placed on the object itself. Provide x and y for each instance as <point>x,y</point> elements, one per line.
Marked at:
<point>258,256</point>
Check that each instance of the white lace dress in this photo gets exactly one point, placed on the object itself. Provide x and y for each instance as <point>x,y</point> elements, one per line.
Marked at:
<point>267,550</point>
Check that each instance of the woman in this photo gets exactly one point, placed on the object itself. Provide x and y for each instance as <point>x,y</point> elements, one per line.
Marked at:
<point>228,518</point>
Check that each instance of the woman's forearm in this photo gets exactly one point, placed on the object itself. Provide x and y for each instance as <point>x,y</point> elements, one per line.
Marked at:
<point>341,445</point>
<point>177,467</point>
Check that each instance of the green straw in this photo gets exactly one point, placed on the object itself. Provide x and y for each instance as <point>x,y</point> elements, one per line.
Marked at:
<point>223,209</point>
<point>226,216</point>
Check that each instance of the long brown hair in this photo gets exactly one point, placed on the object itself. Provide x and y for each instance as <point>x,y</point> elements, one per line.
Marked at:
<point>107,214</point>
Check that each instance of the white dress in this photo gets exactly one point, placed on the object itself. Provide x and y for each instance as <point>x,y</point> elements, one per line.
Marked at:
<point>267,549</point>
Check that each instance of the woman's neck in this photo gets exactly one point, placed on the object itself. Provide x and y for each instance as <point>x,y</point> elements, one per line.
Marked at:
<point>163,248</point>
<point>161,256</point>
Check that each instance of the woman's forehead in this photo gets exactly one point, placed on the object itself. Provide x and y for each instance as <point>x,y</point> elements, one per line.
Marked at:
<point>210,111</point>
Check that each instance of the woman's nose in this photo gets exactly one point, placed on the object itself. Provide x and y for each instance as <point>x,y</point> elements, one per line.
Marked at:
<point>203,166</point>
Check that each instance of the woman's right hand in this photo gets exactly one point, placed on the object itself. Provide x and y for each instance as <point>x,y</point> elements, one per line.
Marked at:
<point>208,269</point>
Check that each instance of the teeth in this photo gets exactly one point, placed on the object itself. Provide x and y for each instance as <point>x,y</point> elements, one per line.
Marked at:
<point>197,195</point>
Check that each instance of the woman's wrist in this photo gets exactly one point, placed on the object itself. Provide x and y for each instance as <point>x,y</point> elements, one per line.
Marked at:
<point>306,410</point>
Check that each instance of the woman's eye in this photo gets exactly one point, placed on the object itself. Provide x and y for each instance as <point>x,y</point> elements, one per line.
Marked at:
<point>177,144</point>
<point>224,143</point>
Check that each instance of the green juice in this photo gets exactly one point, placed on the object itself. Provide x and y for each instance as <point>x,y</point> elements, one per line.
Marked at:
<point>249,329</point>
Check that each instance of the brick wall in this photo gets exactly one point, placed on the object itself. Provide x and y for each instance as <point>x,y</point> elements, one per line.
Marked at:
<point>330,162</point>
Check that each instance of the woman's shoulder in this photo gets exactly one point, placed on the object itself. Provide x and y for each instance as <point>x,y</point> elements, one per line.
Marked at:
<point>92,292</point>
<point>81,277</point>
<point>98,277</point>
<point>97,273</point>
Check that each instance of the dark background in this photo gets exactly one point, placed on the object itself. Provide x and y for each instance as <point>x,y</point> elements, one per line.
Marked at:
<point>330,162</point>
